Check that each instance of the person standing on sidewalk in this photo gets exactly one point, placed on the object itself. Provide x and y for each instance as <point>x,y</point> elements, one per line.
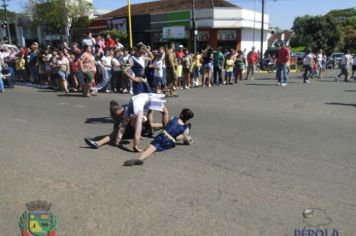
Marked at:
<point>282,65</point>
<point>218,62</point>
<point>171,73</point>
<point>252,58</point>
<point>308,62</point>
<point>345,64</point>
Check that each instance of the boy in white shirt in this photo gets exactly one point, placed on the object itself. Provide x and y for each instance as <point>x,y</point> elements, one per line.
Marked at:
<point>308,62</point>
<point>345,65</point>
<point>158,72</point>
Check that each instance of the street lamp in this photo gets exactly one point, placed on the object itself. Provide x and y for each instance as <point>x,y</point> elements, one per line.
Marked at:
<point>262,28</point>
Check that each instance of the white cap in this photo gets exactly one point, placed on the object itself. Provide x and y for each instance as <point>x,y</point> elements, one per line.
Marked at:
<point>181,46</point>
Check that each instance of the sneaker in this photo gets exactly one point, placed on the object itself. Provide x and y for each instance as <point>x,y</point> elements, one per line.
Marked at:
<point>307,81</point>
<point>107,91</point>
<point>133,162</point>
<point>278,84</point>
<point>124,91</point>
<point>284,84</point>
<point>91,143</point>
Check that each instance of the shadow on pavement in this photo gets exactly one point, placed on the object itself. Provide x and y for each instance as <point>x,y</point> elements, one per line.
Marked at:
<point>99,120</point>
<point>48,91</point>
<point>262,84</point>
<point>341,104</point>
<point>79,95</point>
<point>349,90</point>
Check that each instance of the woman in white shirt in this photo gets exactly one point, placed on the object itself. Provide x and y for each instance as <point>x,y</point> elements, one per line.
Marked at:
<point>106,62</point>
<point>63,70</point>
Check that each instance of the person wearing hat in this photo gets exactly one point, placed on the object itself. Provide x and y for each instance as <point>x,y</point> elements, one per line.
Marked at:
<point>180,53</point>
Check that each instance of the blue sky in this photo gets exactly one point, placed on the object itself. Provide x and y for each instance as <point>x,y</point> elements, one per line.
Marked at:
<point>282,12</point>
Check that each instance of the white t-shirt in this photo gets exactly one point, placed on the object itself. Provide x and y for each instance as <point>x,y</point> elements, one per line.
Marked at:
<point>87,42</point>
<point>106,60</point>
<point>308,59</point>
<point>319,57</point>
<point>158,68</point>
<point>115,64</point>
<point>62,64</point>
<point>346,59</point>
<point>354,61</point>
<point>119,46</point>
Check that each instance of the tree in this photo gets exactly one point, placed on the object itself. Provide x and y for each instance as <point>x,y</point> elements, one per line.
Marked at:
<point>347,19</point>
<point>58,15</point>
<point>335,31</point>
<point>317,32</point>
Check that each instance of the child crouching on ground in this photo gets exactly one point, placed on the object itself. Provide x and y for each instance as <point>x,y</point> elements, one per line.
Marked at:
<point>176,130</point>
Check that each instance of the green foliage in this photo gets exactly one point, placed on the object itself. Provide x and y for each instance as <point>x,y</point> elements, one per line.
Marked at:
<point>298,49</point>
<point>335,31</point>
<point>11,16</point>
<point>115,34</point>
<point>58,14</point>
<point>317,32</point>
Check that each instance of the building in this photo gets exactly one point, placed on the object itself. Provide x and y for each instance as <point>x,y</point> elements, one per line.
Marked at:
<point>219,22</point>
<point>277,38</point>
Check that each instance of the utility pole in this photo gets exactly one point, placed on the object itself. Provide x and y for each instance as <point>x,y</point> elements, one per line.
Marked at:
<point>195,30</point>
<point>254,23</point>
<point>6,21</point>
<point>262,28</point>
<point>130,23</point>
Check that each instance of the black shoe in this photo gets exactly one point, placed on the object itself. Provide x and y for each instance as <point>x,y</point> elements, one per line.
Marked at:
<point>91,143</point>
<point>133,162</point>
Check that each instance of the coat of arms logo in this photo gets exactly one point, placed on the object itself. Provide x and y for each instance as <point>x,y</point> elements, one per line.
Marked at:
<point>38,220</point>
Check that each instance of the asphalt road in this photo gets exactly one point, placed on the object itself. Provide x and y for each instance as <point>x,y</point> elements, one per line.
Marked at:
<point>262,154</point>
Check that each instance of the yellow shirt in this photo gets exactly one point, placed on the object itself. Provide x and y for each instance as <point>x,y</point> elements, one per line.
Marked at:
<point>229,65</point>
<point>20,64</point>
<point>179,70</point>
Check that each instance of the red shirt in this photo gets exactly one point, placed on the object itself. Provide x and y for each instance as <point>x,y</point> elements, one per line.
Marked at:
<point>110,43</point>
<point>283,56</point>
<point>252,57</point>
<point>180,54</point>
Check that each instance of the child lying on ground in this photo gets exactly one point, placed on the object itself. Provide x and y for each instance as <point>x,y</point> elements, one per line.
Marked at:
<point>125,116</point>
<point>176,130</point>
<point>121,118</point>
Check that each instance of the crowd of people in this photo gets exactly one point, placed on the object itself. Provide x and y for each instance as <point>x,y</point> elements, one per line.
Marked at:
<point>105,65</point>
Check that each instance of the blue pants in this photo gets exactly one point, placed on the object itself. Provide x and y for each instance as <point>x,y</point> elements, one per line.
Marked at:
<point>33,74</point>
<point>2,89</point>
<point>282,72</point>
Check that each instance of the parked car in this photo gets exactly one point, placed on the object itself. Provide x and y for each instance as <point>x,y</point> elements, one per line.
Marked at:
<point>334,60</point>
